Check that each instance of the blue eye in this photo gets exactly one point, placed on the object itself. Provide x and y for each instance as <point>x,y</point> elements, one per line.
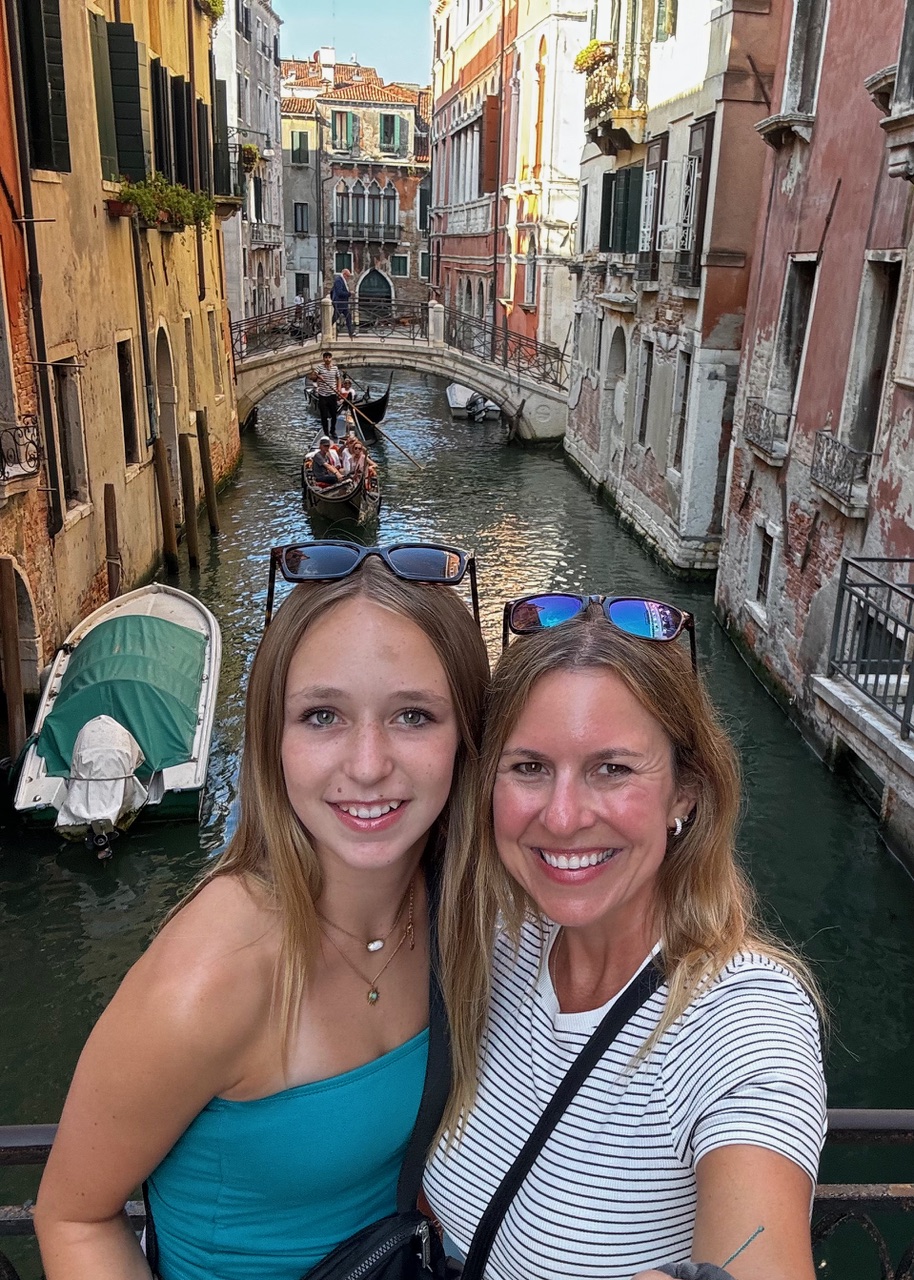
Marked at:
<point>320,717</point>
<point>414,718</point>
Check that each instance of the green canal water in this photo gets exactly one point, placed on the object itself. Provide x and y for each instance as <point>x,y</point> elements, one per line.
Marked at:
<point>70,926</point>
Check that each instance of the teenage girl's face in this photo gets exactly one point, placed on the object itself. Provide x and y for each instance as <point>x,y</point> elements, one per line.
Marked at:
<point>370,737</point>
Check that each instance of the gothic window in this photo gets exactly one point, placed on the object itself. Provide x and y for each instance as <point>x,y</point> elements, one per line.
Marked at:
<point>357,203</point>
<point>390,205</point>
<point>342,203</point>
<point>374,205</point>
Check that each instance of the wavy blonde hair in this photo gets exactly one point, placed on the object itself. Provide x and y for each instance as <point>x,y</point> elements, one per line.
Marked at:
<point>270,848</point>
<point>705,908</point>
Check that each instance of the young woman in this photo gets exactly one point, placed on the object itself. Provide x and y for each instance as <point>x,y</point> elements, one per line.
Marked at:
<point>604,844</point>
<point>262,1063</point>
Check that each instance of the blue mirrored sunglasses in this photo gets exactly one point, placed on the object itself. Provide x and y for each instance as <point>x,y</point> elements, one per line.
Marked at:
<point>635,615</point>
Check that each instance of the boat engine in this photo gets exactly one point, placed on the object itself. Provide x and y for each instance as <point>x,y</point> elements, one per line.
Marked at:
<point>103,793</point>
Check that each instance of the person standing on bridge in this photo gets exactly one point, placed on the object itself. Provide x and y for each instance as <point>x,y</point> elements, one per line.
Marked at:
<point>341,297</point>
<point>328,382</point>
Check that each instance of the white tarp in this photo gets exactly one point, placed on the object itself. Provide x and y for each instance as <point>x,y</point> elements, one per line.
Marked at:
<point>102,786</point>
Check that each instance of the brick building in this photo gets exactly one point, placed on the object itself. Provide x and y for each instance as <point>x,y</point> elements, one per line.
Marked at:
<point>816,562</point>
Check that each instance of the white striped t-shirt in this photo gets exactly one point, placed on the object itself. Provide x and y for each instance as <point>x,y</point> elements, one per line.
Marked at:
<point>613,1192</point>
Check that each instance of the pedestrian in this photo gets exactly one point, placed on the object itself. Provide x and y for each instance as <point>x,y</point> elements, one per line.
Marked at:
<point>262,1064</point>
<point>600,887</point>
<point>341,297</point>
<point>327,382</point>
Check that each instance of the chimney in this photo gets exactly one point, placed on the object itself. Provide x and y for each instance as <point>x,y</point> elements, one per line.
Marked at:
<point>326,56</point>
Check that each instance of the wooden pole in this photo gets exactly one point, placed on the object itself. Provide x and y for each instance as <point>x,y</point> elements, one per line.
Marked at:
<point>12,665</point>
<point>112,543</point>
<point>387,436</point>
<point>206,469</point>
<point>166,505</point>
<point>189,497</point>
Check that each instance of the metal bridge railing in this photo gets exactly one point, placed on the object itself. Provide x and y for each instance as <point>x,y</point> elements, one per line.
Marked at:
<point>525,356</point>
<point>872,640</point>
<point>836,1205</point>
<point>292,326</point>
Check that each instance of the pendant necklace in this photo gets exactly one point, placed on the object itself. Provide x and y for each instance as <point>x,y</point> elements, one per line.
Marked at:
<point>374,944</point>
<point>408,934</point>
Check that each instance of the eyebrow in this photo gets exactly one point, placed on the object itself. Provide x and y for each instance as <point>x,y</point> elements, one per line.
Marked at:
<point>610,753</point>
<point>327,693</point>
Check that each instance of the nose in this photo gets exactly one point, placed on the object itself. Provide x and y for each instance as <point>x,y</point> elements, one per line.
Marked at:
<point>369,759</point>
<point>567,808</point>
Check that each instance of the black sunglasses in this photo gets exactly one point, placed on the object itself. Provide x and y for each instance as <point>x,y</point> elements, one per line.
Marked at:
<point>635,615</point>
<point>413,561</point>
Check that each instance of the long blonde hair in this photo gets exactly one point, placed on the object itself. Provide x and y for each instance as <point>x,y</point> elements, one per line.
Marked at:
<point>270,849</point>
<point>705,908</point>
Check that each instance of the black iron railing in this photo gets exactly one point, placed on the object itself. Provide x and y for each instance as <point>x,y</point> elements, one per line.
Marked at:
<point>836,467</point>
<point>20,450</point>
<point>379,232</point>
<point>523,356</point>
<point>229,177</point>
<point>765,427</point>
<point>835,1204</point>
<point>647,265</point>
<point>872,641</point>
<point>383,319</point>
<point>258,335</point>
<point>687,268</point>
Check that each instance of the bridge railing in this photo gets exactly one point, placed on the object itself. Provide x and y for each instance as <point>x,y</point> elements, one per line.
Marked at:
<point>836,1205</point>
<point>258,335</point>
<point>524,356</point>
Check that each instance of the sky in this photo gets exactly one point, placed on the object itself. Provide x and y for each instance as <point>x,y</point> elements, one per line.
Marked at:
<point>391,35</point>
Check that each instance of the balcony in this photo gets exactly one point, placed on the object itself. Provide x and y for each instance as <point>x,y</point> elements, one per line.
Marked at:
<point>376,232</point>
<point>766,431</point>
<point>229,178</point>
<point>687,269</point>
<point>615,97</point>
<point>841,473</point>
<point>647,265</point>
<point>20,452</point>
<point>472,218</point>
<point>266,235</point>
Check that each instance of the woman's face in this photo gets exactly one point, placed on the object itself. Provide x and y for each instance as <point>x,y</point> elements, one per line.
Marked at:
<point>584,797</point>
<point>370,736</point>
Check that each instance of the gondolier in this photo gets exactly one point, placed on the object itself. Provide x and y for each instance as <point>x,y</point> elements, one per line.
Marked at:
<point>327,383</point>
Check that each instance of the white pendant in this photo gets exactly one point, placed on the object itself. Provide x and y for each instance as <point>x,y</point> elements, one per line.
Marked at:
<point>377,944</point>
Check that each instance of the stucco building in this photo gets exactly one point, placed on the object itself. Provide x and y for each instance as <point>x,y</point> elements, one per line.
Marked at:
<point>301,188</point>
<point>506,139</point>
<point>247,62</point>
<point>129,325</point>
<point>816,563</point>
<point>671,185</point>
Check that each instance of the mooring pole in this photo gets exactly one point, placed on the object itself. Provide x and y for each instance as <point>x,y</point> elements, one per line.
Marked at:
<point>112,543</point>
<point>12,665</point>
<point>206,470</point>
<point>189,498</point>
<point>166,505</point>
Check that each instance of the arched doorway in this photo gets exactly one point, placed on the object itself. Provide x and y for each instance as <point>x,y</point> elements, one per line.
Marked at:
<point>167,394</point>
<point>375,292</point>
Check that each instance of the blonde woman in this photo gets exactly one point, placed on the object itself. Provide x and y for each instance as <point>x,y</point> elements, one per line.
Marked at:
<point>262,1063</point>
<point>604,845</point>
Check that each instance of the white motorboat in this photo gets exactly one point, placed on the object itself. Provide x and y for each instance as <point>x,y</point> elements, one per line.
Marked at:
<point>464,402</point>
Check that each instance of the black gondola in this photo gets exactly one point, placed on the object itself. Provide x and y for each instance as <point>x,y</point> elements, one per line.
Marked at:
<point>358,496</point>
<point>368,411</point>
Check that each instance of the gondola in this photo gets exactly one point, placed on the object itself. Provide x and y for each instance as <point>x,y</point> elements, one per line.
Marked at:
<point>359,496</point>
<point>371,411</point>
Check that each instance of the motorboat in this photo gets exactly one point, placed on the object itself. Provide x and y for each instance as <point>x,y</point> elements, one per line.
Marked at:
<point>464,402</point>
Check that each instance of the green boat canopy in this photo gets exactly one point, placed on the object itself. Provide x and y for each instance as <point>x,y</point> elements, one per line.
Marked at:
<point>144,672</point>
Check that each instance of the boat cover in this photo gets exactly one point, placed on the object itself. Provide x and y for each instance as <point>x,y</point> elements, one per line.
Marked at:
<point>144,672</point>
<point>102,785</point>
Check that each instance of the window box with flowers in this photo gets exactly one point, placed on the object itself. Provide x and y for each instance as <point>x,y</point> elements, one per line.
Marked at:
<point>213,9</point>
<point>167,206</point>
<point>594,55</point>
<point>250,156</point>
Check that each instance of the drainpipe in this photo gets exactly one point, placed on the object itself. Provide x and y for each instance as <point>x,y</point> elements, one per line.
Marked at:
<point>501,119</point>
<point>195,144</point>
<point>56,513</point>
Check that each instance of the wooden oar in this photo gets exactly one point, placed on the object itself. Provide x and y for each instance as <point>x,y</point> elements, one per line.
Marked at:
<point>387,436</point>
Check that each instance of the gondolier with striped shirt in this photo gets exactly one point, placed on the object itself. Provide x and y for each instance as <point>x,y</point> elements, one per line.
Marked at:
<point>327,381</point>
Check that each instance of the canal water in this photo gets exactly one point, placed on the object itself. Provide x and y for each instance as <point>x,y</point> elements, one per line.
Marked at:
<point>70,926</point>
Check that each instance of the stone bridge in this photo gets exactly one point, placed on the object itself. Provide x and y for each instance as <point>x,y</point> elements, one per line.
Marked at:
<point>527,379</point>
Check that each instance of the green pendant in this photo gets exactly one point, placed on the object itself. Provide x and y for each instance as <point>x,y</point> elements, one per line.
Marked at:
<point>373,995</point>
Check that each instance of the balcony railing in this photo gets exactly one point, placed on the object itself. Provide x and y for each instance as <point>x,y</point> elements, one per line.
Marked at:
<point>378,232</point>
<point>20,451</point>
<point>872,641</point>
<point>539,360</point>
<point>837,468</point>
<point>266,235</point>
<point>766,428</point>
<point>617,85</point>
<point>259,335</point>
<point>687,269</point>
<point>647,265</point>
<point>229,177</point>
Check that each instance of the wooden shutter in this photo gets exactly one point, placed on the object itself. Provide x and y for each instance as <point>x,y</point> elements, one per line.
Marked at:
<point>182,142</point>
<point>222,161</point>
<point>163,142</point>
<point>53,43</point>
<point>205,147</point>
<point>350,129</point>
<point>42,56</point>
<point>633,207</point>
<point>606,212</point>
<point>488,152</point>
<point>620,203</point>
<point>397,123</point>
<point>258,199</point>
<point>129,65</point>
<point>104,102</point>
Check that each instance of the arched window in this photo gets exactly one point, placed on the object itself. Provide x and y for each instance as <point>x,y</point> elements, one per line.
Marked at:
<point>390,205</point>
<point>480,301</point>
<point>468,299</point>
<point>530,274</point>
<point>342,203</point>
<point>540,110</point>
<point>357,203</point>
<point>374,205</point>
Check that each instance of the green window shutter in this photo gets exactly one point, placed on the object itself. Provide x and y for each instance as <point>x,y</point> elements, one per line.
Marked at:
<point>620,204</point>
<point>633,208</point>
<point>222,160</point>
<point>129,87</point>
<point>53,43</point>
<point>397,123</point>
<point>182,141</point>
<point>606,211</point>
<point>104,101</point>
<point>205,146</point>
<point>350,128</point>
<point>42,56</point>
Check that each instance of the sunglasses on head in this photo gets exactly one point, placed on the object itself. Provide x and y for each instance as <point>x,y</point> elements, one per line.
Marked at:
<point>325,561</point>
<point>636,616</point>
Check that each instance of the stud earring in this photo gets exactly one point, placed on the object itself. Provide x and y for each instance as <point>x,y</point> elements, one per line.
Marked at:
<point>678,825</point>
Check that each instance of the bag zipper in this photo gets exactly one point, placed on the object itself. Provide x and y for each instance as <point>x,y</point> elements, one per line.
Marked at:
<point>422,1230</point>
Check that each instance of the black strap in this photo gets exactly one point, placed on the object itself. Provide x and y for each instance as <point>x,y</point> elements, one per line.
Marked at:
<point>616,1018</point>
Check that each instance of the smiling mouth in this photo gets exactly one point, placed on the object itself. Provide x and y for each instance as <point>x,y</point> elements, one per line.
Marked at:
<point>575,861</point>
<point>364,811</point>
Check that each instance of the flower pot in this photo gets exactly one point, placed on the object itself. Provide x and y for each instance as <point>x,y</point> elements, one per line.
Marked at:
<point>120,208</point>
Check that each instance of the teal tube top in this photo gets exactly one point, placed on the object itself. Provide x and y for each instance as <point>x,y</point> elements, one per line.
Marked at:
<point>263,1190</point>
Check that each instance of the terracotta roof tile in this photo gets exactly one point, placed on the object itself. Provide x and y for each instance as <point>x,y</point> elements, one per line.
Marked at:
<point>378,92</point>
<point>297,106</point>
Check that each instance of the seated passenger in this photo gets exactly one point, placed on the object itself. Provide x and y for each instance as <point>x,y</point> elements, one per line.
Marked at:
<point>325,465</point>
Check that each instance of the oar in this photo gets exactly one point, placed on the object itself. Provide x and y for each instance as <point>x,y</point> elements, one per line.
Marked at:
<point>388,436</point>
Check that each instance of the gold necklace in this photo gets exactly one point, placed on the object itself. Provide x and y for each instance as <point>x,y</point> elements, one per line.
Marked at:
<point>373,944</point>
<point>408,934</point>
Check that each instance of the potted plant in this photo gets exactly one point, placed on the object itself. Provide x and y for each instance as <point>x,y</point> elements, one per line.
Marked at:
<point>212,8</point>
<point>118,208</point>
<point>593,55</point>
<point>167,206</point>
<point>250,154</point>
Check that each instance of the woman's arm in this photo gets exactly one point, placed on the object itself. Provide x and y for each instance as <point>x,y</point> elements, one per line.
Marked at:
<point>742,1188</point>
<point>170,1040</point>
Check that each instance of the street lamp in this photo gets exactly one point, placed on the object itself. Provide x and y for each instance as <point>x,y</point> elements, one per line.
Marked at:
<point>268,152</point>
